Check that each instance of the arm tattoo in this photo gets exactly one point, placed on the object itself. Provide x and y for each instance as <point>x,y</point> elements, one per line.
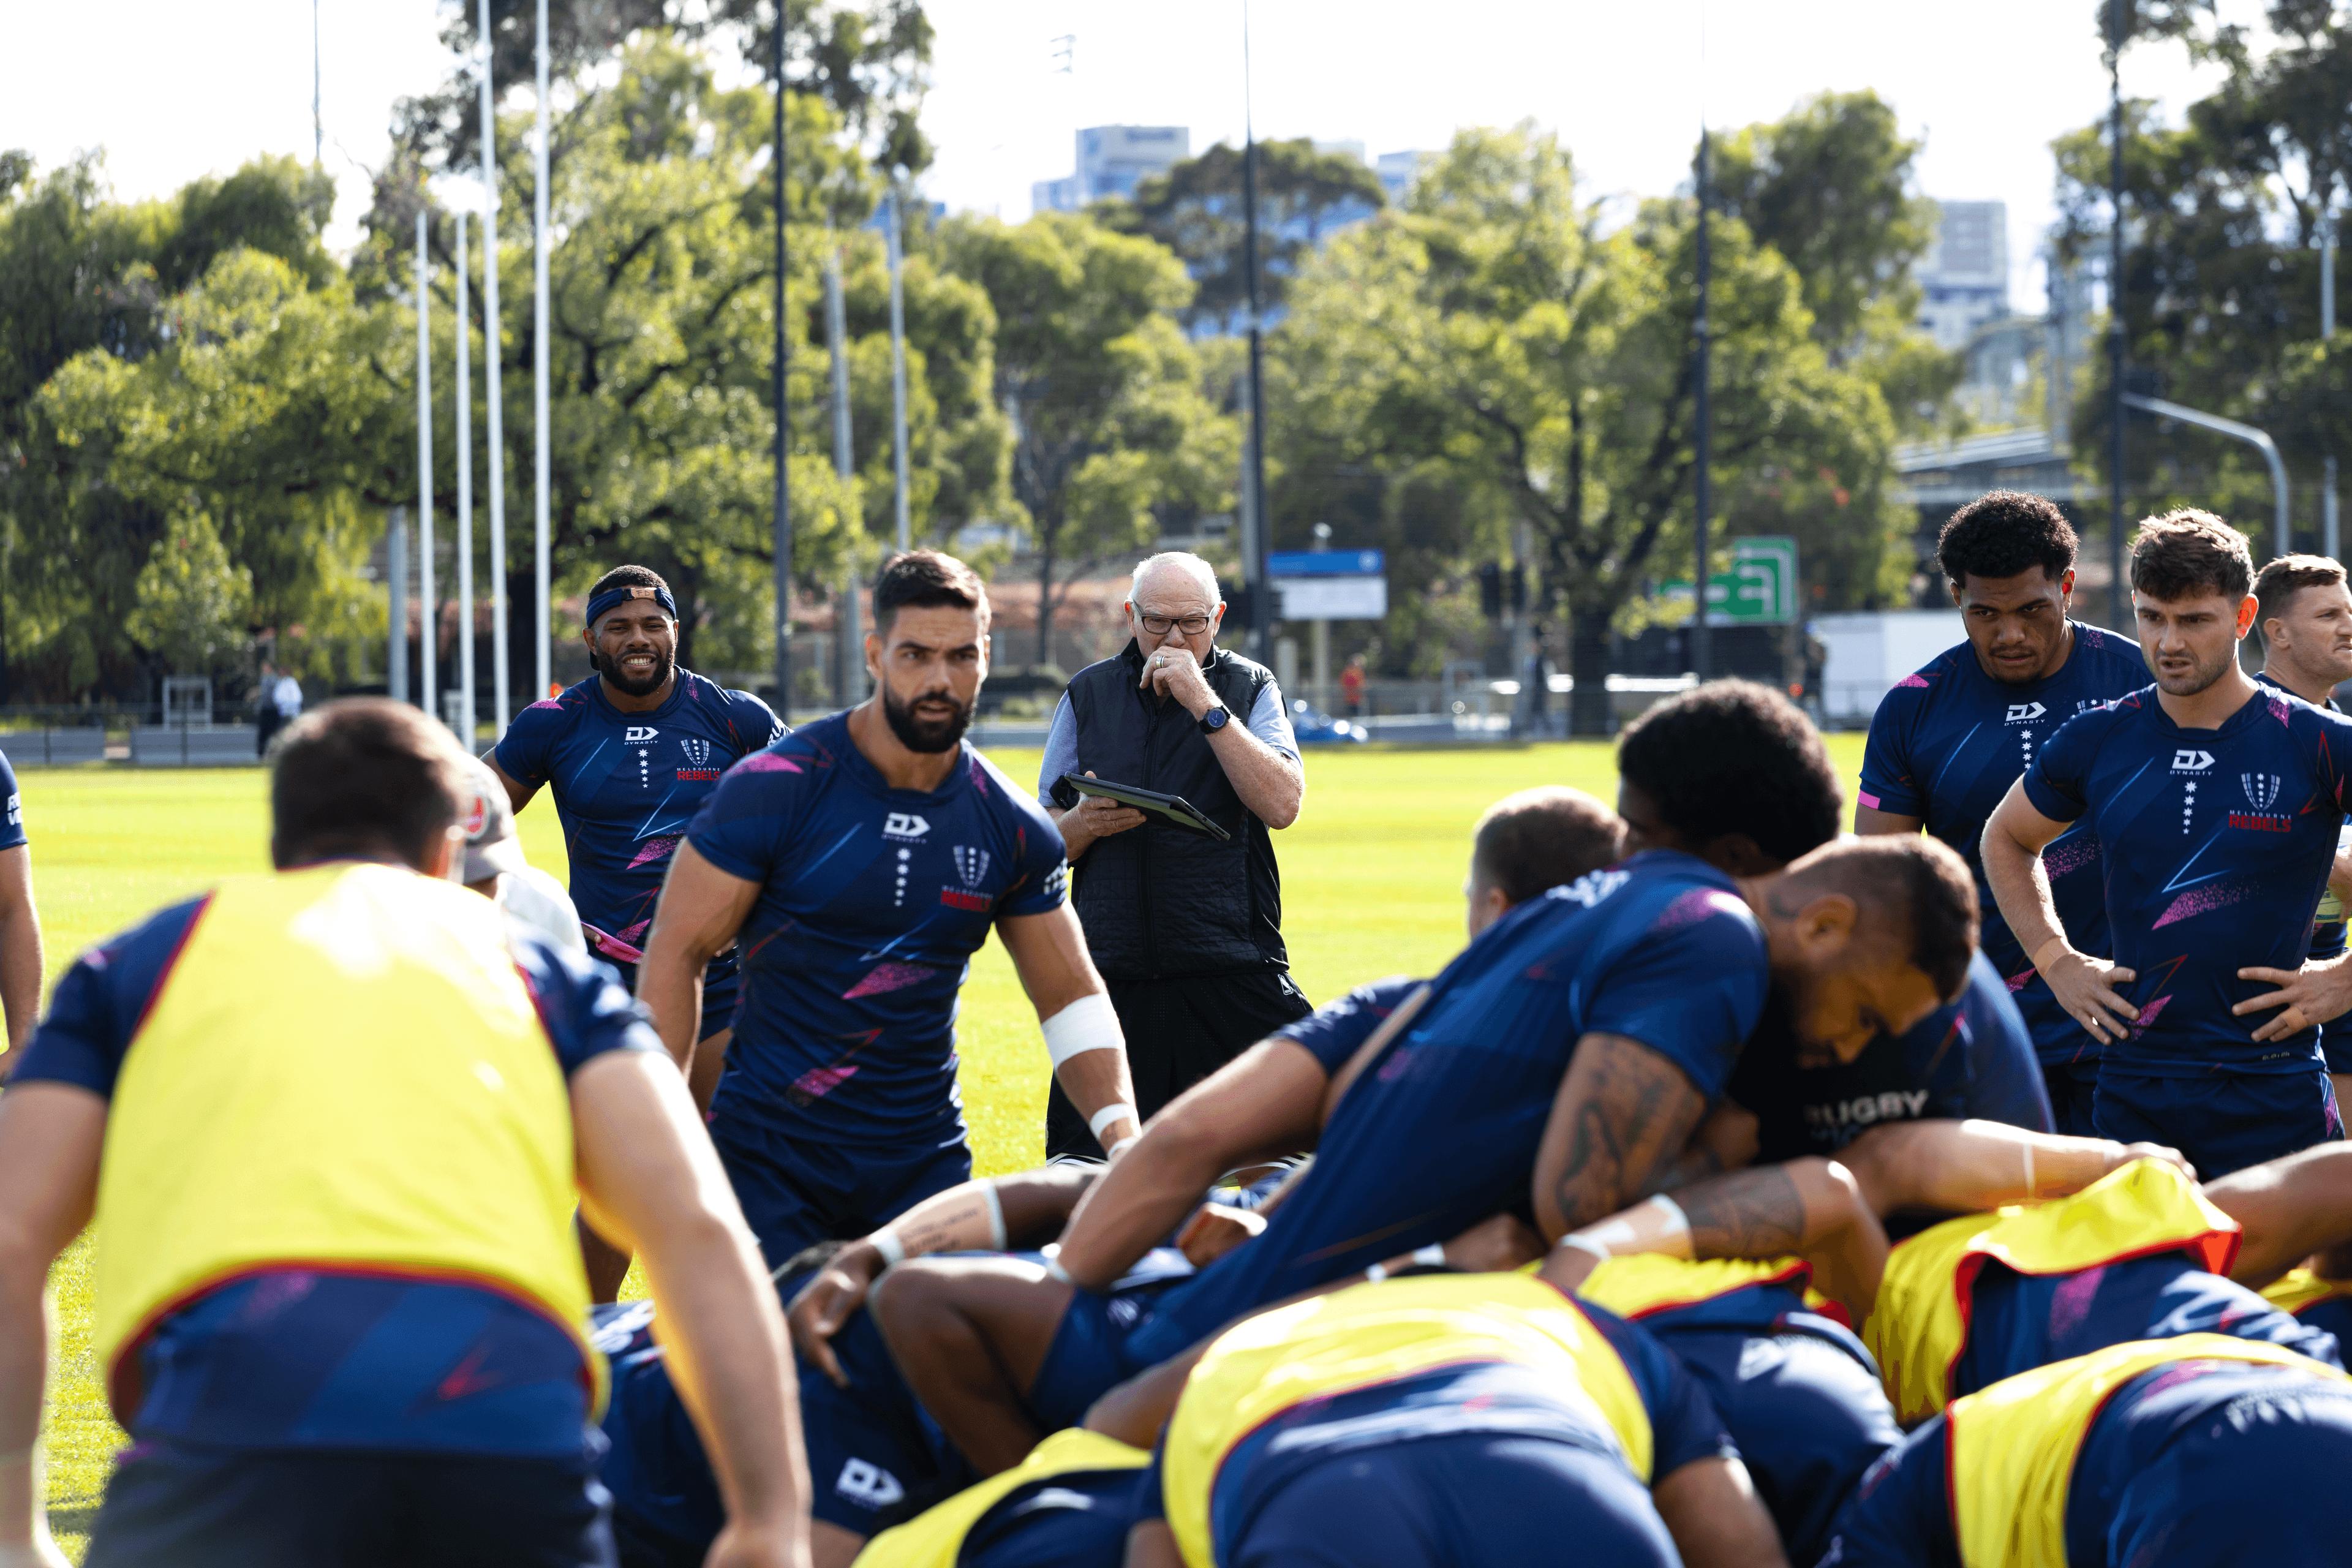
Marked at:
<point>1636,1113</point>
<point>1756,1213</point>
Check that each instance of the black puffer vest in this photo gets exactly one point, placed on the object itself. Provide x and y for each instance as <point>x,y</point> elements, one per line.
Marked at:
<point>1157,903</point>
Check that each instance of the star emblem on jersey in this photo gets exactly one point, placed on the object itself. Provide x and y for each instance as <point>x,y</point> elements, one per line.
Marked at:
<point>2261,789</point>
<point>698,751</point>
<point>972,864</point>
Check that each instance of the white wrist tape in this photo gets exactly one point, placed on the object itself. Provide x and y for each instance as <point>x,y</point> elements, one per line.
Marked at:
<point>1089,1024</point>
<point>1657,1226</point>
<point>1057,1273</point>
<point>1117,1111</point>
<point>894,1251</point>
<point>1376,1273</point>
<point>1430,1257</point>
<point>1584,1243</point>
<point>1129,1141</point>
<point>995,1217</point>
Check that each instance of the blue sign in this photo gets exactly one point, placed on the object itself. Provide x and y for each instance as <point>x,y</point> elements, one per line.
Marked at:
<point>1325,564</point>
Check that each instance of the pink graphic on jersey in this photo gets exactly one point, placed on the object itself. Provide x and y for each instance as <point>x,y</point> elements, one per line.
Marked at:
<point>1696,906</point>
<point>2018,983</point>
<point>618,948</point>
<point>889,977</point>
<point>554,702</point>
<point>654,850</point>
<point>818,1082</point>
<point>1920,681</point>
<point>2279,709</point>
<point>769,762</point>
<point>1867,798</point>
<point>2071,853</point>
<point>2147,1016</point>
<point>2200,901</point>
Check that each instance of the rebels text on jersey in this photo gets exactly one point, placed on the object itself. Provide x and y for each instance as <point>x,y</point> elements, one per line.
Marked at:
<point>1945,745</point>
<point>1442,1128</point>
<point>2216,843</point>
<point>872,901</point>
<point>626,786</point>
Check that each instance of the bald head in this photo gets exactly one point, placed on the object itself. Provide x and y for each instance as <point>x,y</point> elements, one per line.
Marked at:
<point>1536,839</point>
<point>1178,571</point>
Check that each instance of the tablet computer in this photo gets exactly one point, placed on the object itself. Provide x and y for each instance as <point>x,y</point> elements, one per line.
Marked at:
<point>1173,810</point>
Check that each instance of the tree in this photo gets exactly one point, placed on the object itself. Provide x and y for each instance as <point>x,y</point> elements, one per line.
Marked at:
<point>193,604</point>
<point>1196,210</point>
<point>1111,423</point>
<point>1490,337</point>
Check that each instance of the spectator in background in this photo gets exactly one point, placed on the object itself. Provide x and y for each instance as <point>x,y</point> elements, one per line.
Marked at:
<point>1186,930</point>
<point>267,720</point>
<point>20,925</point>
<point>1352,687</point>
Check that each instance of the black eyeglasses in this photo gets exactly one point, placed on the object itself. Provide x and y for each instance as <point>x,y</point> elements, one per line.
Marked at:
<point>1191,626</point>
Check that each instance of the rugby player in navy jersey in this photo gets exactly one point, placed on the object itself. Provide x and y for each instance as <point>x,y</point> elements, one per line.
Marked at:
<point>1948,741</point>
<point>2303,610</point>
<point>20,925</point>
<point>861,862</point>
<point>630,754</point>
<point>2217,804</point>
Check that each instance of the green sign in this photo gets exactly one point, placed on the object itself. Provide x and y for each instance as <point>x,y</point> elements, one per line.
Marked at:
<point>1760,589</point>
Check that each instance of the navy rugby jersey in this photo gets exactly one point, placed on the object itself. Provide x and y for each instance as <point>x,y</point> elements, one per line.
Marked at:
<point>1441,1130</point>
<point>626,786</point>
<point>1334,1032</point>
<point>1970,1058</point>
<point>11,829</point>
<point>2327,924</point>
<point>872,901</point>
<point>2217,846</point>
<point>1945,744</point>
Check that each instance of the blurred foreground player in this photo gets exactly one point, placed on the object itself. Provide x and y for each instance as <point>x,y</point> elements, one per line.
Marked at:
<point>1950,738</point>
<point>20,923</point>
<point>863,860</point>
<point>2217,805</point>
<point>338,1300</point>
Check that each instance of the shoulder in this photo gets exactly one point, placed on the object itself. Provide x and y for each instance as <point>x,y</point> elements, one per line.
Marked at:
<point>2098,720</point>
<point>580,1000</point>
<point>552,716</point>
<point>745,717</point>
<point>7,774</point>
<point>1000,798</point>
<point>1931,681</point>
<point>787,768</point>
<point>2112,654</point>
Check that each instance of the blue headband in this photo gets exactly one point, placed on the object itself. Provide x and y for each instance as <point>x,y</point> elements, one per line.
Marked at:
<point>612,599</point>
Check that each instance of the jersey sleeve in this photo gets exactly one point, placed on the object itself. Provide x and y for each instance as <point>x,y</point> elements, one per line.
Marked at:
<point>1334,1032</point>
<point>2005,1081</point>
<point>1886,782</point>
<point>753,723</point>
<point>2333,758</point>
<point>101,1001</point>
<point>2057,782</point>
<point>1683,1424</point>
<point>12,828</point>
<point>581,1002</point>
<point>1901,1512</point>
<point>1042,885</point>
<point>1690,988</point>
<point>527,754</point>
<point>741,827</point>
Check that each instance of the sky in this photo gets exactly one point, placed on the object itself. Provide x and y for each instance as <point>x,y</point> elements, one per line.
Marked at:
<point>173,91</point>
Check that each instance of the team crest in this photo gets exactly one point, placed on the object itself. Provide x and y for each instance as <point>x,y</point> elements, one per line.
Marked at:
<point>698,751</point>
<point>972,864</point>
<point>2261,789</point>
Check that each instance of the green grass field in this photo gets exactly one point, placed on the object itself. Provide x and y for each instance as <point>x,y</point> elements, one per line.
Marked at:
<point>1372,883</point>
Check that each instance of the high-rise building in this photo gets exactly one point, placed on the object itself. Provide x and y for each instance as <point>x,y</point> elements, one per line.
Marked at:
<point>1965,281</point>
<point>1112,161</point>
<point>1397,171</point>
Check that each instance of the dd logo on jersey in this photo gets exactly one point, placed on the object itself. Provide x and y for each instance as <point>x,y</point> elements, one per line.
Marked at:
<point>904,825</point>
<point>2187,761</point>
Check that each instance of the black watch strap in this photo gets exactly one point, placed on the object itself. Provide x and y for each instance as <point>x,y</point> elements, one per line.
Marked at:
<point>1215,719</point>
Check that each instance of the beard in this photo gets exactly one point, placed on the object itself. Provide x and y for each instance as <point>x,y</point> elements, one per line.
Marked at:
<point>930,736</point>
<point>611,670</point>
<point>2200,676</point>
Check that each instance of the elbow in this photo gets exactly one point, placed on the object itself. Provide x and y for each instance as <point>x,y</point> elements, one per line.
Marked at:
<point>1284,806</point>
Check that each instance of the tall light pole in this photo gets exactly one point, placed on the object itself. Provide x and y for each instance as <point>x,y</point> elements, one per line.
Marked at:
<point>1704,430</point>
<point>783,517</point>
<point>542,647</point>
<point>494,411</point>
<point>318,121</point>
<point>851,687</point>
<point>425,629</point>
<point>2329,534</point>
<point>465,346</point>
<point>2119,590</point>
<point>896,255</point>
<point>1261,590</point>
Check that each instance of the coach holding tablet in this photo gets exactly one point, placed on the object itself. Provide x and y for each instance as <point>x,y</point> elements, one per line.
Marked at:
<point>1186,931</point>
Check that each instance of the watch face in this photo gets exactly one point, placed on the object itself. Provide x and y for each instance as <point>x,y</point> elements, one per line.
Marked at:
<point>1215,718</point>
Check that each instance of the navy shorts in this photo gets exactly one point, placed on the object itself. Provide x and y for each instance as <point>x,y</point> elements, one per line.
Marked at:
<point>1088,1357</point>
<point>2258,1483</point>
<point>2221,1121</point>
<point>1479,1500</point>
<point>870,1446</point>
<point>723,990</point>
<point>2073,1086</point>
<point>797,1192</point>
<point>170,1507</point>
<point>1810,1417</point>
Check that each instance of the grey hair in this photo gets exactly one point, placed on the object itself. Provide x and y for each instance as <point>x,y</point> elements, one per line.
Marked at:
<point>1182,561</point>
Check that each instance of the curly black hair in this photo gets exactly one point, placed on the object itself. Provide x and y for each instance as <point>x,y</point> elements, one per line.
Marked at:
<point>2003,533</point>
<point>1735,757</point>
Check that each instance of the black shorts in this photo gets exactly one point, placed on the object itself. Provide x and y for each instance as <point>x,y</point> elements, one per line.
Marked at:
<point>1178,1032</point>
<point>173,1507</point>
